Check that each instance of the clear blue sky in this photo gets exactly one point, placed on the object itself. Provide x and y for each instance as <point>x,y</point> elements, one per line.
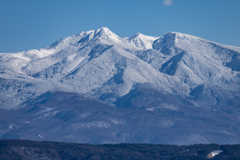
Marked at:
<point>34,24</point>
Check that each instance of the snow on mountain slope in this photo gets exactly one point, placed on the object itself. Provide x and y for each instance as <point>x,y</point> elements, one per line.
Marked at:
<point>200,62</point>
<point>107,67</point>
<point>141,41</point>
<point>184,86</point>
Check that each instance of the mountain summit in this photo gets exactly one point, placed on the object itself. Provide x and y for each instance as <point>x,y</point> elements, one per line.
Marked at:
<point>97,82</point>
<point>142,41</point>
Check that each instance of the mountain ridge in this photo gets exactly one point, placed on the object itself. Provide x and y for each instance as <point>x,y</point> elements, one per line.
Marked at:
<point>68,55</point>
<point>158,76</point>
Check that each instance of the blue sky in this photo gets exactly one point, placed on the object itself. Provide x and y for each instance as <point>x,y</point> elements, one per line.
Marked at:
<point>34,24</point>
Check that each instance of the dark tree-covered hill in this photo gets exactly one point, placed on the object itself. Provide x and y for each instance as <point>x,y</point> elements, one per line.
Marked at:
<point>28,150</point>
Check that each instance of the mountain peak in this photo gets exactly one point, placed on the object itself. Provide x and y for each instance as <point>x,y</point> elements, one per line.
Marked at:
<point>136,35</point>
<point>103,30</point>
<point>142,36</point>
<point>172,35</point>
<point>177,35</point>
<point>170,38</point>
<point>142,41</point>
<point>105,33</point>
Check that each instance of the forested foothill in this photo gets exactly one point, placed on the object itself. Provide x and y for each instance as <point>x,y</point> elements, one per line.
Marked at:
<point>25,149</point>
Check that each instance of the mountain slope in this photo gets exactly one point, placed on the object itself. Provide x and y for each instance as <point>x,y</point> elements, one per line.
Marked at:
<point>71,117</point>
<point>173,76</point>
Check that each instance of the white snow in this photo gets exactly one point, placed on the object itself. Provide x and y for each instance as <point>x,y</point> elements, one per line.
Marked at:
<point>40,136</point>
<point>74,65</point>
<point>175,63</point>
<point>216,152</point>
<point>141,41</point>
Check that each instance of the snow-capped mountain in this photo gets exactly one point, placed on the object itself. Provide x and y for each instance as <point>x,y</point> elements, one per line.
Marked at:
<point>150,75</point>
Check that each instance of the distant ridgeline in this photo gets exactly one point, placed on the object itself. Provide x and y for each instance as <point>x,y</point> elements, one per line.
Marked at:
<point>24,149</point>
